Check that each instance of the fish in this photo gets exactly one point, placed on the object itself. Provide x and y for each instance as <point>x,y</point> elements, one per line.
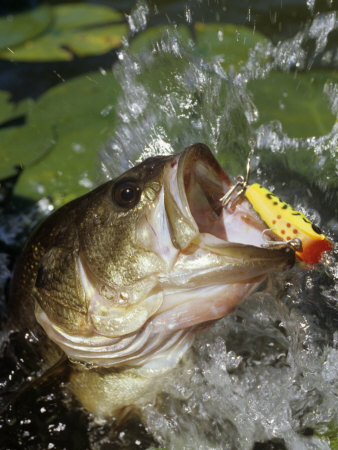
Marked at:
<point>119,281</point>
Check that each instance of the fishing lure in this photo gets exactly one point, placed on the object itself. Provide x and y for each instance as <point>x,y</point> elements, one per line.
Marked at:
<point>290,225</point>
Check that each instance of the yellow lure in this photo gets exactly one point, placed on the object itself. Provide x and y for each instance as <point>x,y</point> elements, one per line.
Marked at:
<point>288,223</point>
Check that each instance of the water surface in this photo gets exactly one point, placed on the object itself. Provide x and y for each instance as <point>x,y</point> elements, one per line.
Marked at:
<point>266,375</point>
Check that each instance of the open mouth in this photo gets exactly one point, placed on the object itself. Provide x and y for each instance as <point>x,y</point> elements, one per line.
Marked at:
<point>224,260</point>
<point>212,259</point>
<point>218,245</point>
<point>203,183</point>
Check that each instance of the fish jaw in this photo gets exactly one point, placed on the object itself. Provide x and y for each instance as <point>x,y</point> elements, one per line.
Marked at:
<point>208,259</point>
<point>220,259</point>
<point>201,183</point>
<point>205,246</point>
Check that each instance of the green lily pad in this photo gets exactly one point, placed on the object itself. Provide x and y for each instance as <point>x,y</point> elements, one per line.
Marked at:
<point>14,153</point>
<point>63,45</point>
<point>6,108</point>
<point>82,114</point>
<point>18,28</point>
<point>231,42</point>
<point>70,169</point>
<point>90,96</point>
<point>47,47</point>
<point>10,110</point>
<point>85,99</point>
<point>96,41</point>
<point>297,101</point>
<point>151,38</point>
<point>72,33</point>
<point>73,15</point>
<point>22,147</point>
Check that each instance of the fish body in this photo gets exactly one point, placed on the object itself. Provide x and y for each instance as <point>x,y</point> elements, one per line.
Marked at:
<point>121,279</point>
<point>288,223</point>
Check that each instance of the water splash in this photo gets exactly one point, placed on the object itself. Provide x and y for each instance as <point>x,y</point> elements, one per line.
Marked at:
<point>138,19</point>
<point>267,372</point>
<point>190,100</point>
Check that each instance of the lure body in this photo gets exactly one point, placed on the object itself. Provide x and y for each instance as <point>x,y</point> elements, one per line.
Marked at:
<point>288,223</point>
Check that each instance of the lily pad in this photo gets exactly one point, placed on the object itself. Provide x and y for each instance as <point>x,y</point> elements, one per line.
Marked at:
<point>6,108</point>
<point>70,169</point>
<point>18,28</point>
<point>152,37</point>
<point>96,41</point>
<point>10,110</point>
<point>76,30</point>
<point>63,45</point>
<point>81,112</point>
<point>90,96</point>
<point>69,16</point>
<point>231,42</point>
<point>22,147</point>
<point>297,101</point>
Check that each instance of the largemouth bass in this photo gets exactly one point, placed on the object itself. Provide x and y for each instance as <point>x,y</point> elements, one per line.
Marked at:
<point>121,279</point>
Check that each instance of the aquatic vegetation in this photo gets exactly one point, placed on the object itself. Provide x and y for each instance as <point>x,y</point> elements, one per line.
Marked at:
<point>268,372</point>
<point>60,32</point>
<point>16,29</point>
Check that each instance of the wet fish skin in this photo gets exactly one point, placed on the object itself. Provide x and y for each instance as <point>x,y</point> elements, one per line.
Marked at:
<point>123,289</point>
<point>47,270</point>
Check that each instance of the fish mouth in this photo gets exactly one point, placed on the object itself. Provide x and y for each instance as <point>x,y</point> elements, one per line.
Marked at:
<point>221,257</point>
<point>212,259</point>
<point>236,232</point>
<point>202,185</point>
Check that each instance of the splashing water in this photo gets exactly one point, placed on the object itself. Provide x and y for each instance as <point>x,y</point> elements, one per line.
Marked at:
<point>267,372</point>
<point>190,100</point>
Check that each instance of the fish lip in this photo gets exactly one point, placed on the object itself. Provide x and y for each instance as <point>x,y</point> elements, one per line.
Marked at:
<point>192,173</point>
<point>165,323</point>
<point>198,169</point>
<point>214,272</point>
<point>201,183</point>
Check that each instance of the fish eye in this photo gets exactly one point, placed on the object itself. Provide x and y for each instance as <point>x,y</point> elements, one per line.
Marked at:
<point>127,194</point>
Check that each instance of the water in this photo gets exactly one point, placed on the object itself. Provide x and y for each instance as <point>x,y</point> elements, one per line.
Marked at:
<point>266,375</point>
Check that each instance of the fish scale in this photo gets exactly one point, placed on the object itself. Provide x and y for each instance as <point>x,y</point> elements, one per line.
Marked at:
<point>123,277</point>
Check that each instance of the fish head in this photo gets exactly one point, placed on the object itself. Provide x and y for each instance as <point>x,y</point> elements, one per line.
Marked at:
<point>133,269</point>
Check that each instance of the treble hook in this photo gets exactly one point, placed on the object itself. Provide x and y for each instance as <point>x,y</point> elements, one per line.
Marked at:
<point>295,243</point>
<point>241,182</point>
